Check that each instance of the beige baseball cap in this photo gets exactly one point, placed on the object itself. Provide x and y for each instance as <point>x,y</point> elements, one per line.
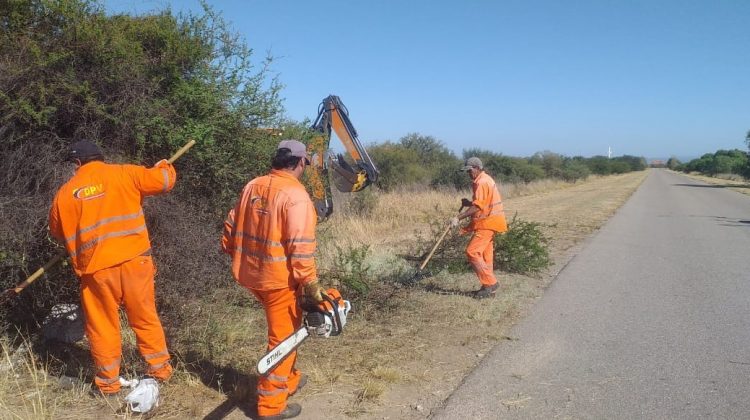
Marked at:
<point>472,162</point>
<point>297,147</point>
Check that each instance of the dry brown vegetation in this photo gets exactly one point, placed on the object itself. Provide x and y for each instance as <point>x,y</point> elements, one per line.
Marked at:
<point>404,350</point>
<point>730,181</point>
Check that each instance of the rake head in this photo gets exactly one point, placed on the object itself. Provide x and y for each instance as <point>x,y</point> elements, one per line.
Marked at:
<point>417,277</point>
<point>7,296</point>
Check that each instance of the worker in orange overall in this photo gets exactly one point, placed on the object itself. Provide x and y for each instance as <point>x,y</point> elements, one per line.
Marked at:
<point>487,217</point>
<point>270,235</point>
<point>97,216</point>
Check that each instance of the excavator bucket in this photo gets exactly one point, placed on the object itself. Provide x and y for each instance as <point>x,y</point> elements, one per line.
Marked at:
<point>346,178</point>
<point>333,117</point>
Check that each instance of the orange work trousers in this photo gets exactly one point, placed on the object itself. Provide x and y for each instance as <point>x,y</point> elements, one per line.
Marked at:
<point>130,284</point>
<point>284,316</point>
<point>480,252</point>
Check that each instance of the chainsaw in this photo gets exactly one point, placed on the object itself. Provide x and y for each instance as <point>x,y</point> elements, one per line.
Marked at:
<point>322,320</point>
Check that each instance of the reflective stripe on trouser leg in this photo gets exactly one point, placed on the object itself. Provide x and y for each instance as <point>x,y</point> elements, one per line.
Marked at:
<point>100,297</point>
<point>284,316</point>
<point>138,300</point>
<point>480,252</point>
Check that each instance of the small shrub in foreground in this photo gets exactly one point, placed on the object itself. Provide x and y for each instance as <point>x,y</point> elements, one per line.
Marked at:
<point>522,249</point>
<point>351,270</point>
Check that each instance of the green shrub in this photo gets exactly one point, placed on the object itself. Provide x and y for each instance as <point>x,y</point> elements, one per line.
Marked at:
<point>574,170</point>
<point>364,202</point>
<point>523,249</point>
<point>351,270</point>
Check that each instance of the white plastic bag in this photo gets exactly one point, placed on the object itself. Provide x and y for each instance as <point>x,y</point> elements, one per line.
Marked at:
<point>144,397</point>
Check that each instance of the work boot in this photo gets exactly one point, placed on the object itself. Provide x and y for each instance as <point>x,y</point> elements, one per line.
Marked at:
<point>291,410</point>
<point>301,384</point>
<point>486,291</point>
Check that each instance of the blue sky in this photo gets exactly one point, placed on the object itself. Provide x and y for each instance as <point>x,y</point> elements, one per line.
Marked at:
<point>646,78</point>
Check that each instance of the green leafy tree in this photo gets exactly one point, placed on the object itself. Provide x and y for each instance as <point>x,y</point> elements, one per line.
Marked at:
<point>139,86</point>
<point>574,170</point>
<point>551,162</point>
<point>398,165</point>
<point>431,151</point>
<point>720,162</point>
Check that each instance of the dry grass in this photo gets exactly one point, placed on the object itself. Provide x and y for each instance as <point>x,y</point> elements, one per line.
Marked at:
<point>404,349</point>
<point>27,391</point>
<point>730,181</point>
<point>401,216</point>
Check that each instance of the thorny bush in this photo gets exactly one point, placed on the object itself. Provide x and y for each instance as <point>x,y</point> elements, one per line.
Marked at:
<point>139,86</point>
<point>523,249</point>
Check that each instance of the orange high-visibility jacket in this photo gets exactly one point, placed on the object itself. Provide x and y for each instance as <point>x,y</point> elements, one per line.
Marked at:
<point>487,198</point>
<point>98,216</point>
<point>270,234</point>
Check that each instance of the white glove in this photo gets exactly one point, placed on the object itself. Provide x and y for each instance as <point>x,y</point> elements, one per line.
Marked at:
<point>454,222</point>
<point>128,383</point>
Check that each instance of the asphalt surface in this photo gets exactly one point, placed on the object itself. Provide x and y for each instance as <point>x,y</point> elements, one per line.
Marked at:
<point>650,320</point>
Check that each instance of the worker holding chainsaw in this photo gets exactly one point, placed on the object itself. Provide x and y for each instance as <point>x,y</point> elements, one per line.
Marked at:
<point>97,216</point>
<point>487,217</point>
<point>270,235</point>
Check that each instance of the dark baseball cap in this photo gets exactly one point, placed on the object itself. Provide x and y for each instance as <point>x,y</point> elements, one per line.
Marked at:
<point>83,149</point>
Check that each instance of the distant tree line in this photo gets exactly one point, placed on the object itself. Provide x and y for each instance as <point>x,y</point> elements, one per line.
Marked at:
<point>721,162</point>
<point>425,160</point>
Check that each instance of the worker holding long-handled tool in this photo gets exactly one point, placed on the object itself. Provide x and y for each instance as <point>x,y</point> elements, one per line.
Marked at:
<point>487,217</point>
<point>98,217</point>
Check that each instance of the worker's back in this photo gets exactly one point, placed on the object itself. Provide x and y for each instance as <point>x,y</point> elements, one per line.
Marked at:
<point>271,233</point>
<point>97,214</point>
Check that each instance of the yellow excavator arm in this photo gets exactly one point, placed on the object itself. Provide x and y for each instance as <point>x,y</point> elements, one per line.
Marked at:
<point>334,117</point>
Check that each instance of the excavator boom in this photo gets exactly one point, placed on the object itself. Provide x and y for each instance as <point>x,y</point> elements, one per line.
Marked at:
<point>334,117</point>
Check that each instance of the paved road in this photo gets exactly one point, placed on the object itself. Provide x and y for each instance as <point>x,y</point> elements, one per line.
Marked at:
<point>651,320</point>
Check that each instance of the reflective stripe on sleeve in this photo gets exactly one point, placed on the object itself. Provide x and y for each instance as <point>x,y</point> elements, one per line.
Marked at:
<point>492,210</point>
<point>165,174</point>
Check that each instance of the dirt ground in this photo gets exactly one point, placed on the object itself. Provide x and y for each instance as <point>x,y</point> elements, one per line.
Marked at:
<point>399,357</point>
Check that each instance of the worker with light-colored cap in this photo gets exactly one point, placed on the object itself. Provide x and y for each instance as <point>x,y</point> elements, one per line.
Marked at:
<point>487,217</point>
<point>270,235</point>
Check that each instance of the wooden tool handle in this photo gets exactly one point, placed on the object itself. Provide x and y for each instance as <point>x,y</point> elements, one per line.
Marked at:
<point>182,151</point>
<point>445,232</point>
